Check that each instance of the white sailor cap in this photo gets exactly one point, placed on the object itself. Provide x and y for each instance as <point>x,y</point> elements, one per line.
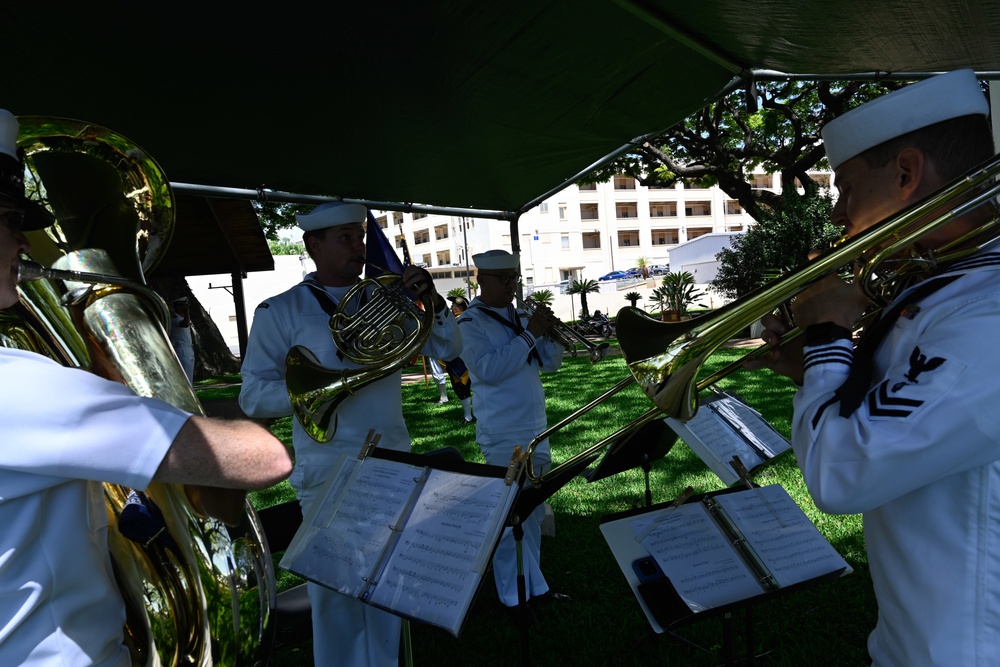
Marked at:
<point>495,259</point>
<point>918,105</point>
<point>331,214</point>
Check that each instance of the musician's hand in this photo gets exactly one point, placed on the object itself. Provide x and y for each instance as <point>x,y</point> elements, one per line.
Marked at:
<point>418,280</point>
<point>829,300</point>
<point>784,360</point>
<point>541,320</point>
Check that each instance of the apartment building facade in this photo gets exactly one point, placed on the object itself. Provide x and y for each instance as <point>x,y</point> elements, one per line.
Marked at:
<point>581,232</point>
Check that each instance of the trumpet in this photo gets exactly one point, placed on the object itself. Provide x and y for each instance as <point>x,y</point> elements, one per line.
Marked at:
<point>564,334</point>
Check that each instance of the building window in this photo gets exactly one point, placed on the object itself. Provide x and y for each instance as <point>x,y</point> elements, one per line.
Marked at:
<point>444,258</point>
<point>695,232</point>
<point>623,182</point>
<point>589,212</point>
<point>419,216</point>
<point>421,236</point>
<point>733,207</point>
<point>399,241</point>
<point>626,210</point>
<point>562,211</point>
<point>383,221</point>
<point>762,181</point>
<point>591,239</point>
<point>693,208</point>
<point>565,242</point>
<point>440,232</point>
<point>663,209</point>
<point>588,187</point>
<point>426,259</point>
<point>628,238</point>
<point>665,237</point>
<point>397,218</point>
<point>543,207</point>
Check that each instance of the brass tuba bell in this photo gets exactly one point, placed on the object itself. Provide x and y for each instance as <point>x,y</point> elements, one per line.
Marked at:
<point>206,596</point>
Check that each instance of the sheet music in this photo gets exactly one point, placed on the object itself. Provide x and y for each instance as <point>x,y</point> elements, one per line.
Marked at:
<point>751,426</point>
<point>725,427</point>
<point>696,556</point>
<point>345,542</point>
<point>440,558</point>
<point>408,538</point>
<point>792,553</point>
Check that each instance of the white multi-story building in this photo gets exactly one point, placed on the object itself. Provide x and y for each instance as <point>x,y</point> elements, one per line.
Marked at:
<point>581,232</point>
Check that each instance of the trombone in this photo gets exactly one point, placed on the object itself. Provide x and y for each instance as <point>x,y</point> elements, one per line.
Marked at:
<point>665,358</point>
<point>564,334</point>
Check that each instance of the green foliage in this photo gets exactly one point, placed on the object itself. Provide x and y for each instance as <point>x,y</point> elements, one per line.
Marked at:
<point>543,296</point>
<point>275,216</point>
<point>777,244</point>
<point>678,291</point>
<point>633,298</point>
<point>456,291</point>
<point>284,246</point>
<point>723,143</point>
<point>583,288</point>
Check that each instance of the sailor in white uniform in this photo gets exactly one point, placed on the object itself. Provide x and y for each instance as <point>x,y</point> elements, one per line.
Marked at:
<point>345,630</point>
<point>505,352</point>
<point>904,428</point>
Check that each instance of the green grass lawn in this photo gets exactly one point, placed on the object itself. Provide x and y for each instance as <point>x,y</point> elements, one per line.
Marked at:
<point>603,624</point>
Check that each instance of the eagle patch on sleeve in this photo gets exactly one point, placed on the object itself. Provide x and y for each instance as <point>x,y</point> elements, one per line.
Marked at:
<point>910,387</point>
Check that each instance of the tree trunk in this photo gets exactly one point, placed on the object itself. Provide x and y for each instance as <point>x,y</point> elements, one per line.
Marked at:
<point>212,356</point>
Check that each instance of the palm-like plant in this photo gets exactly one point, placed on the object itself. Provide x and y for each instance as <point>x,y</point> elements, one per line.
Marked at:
<point>643,266</point>
<point>680,290</point>
<point>583,288</point>
<point>543,296</point>
<point>456,291</point>
<point>633,297</point>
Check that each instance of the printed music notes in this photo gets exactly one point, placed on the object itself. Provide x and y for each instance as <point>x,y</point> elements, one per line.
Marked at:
<point>405,537</point>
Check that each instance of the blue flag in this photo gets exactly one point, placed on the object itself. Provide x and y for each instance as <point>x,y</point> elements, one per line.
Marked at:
<point>380,256</point>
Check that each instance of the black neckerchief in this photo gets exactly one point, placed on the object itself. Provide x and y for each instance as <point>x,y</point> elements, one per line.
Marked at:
<point>326,301</point>
<point>515,325</point>
<point>854,389</point>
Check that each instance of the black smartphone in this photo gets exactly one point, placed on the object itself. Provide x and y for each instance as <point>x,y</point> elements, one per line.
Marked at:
<point>647,570</point>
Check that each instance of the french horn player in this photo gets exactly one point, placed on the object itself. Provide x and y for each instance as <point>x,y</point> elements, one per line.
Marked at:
<point>64,431</point>
<point>330,350</point>
<point>903,426</point>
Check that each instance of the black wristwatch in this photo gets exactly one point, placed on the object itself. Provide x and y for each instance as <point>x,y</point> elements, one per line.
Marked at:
<point>823,333</point>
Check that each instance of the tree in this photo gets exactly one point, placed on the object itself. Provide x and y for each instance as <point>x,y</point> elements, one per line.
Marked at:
<point>583,288</point>
<point>543,296</point>
<point>779,243</point>
<point>725,142</point>
<point>641,264</point>
<point>632,298</point>
<point>284,246</point>
<point>456,291</point>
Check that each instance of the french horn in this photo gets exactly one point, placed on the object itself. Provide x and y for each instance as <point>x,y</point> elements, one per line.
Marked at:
<point>204,596</point>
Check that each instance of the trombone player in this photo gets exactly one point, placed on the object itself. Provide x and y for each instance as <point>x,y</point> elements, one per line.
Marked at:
<point>904,428</point>
<point>505,353</point>
<point>346,631</point>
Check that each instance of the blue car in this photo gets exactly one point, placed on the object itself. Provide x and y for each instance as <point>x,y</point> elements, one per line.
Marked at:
<point>614,275</point>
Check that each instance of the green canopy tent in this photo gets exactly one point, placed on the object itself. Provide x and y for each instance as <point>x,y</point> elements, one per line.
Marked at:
<point>485,108</point>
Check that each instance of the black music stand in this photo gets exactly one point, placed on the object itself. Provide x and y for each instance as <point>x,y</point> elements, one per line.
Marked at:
<point>640,448</point>
<point>527,501</point>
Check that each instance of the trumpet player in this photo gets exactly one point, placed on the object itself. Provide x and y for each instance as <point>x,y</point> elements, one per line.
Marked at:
<point>346,631</point>
<point>903,428</point>
<point>505,353</point>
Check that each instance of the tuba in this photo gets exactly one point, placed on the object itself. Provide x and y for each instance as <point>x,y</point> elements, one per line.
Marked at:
<point>204,593</point>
